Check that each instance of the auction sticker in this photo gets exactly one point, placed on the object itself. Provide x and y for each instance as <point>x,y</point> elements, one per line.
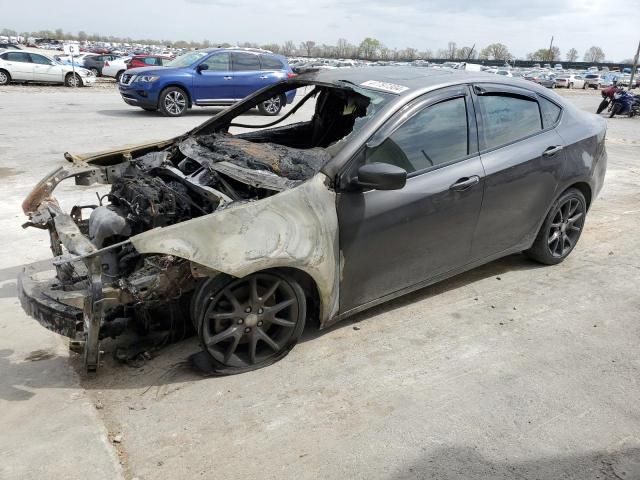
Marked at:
<point>385,86</point>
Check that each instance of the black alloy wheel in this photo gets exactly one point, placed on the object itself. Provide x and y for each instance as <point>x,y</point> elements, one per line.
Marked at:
<point>561,229</point>
<point>251,322</point>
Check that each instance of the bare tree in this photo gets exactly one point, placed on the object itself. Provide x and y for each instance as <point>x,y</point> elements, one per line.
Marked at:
<point>272,47</point>
<point>426,55</point>
<point>465,53</point>
<point>451,50</point>
<point>594,54</point>
<point>307,47</point>
<point>572,55</point>
<point>288,48</point>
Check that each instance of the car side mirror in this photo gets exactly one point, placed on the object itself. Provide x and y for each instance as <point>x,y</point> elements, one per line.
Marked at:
<point>381,176</point>
<point>201,67</point>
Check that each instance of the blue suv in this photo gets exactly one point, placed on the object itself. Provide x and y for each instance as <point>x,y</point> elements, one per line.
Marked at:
<point>209,77</point>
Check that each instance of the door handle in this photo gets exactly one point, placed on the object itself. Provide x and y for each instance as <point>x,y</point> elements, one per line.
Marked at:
<point>227,78</point>
<point>551,151</point>
<point>263,77</point>
<point>465,183</point>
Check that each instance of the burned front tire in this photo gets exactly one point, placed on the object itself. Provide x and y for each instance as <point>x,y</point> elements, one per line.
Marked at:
<point>561,229</point>
<point>249,323</point>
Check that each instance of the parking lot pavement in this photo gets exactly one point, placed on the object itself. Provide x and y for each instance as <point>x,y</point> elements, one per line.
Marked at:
<point>512,370</point>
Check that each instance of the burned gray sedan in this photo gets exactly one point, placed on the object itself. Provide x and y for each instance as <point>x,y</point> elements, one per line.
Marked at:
<point>401,178</point>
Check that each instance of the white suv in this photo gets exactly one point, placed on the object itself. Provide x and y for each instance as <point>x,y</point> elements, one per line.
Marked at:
<point>22,66</point>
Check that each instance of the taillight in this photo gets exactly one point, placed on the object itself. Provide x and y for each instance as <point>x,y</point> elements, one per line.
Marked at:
<point>291,75</point>
<point>106,64</point>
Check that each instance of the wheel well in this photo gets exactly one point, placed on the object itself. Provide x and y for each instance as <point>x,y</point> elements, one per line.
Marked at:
<point>5,71</point>
<point>311,293</point>
<point>585,189</point>
<point>176,85</point>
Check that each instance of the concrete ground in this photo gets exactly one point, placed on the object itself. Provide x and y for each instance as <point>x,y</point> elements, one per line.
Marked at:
<point>512,370</point>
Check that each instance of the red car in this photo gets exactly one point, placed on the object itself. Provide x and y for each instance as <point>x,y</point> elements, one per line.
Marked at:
<point>148,61</point>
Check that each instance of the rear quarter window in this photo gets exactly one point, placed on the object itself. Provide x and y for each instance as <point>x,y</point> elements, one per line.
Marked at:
<point>507,119</point>
<point>550,112</point>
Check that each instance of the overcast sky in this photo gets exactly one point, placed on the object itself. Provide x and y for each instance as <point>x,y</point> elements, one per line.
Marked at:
<point>428,24</point>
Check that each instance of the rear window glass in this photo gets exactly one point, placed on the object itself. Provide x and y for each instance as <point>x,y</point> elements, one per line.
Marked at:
<point>271,63</point>
<point>550,112</point>
<point>243,62</point>
<point>507,119</point>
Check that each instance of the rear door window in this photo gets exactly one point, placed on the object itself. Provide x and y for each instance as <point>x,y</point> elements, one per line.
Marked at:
<point>245,62</point>
<point>271,63</point>
<point>18,57</point>
<point>40,59</point>
<point>507,119</point>
<point>550,112</point>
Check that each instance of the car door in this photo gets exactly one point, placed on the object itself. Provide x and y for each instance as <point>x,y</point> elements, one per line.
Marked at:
<point>272,70</point>
<point>44,70</point>
<point>246,73</point>
<point>215,83</point>
<point>19,65</point>
<point>578,81</point>
<point>391,241</point>
<point>520,152</point>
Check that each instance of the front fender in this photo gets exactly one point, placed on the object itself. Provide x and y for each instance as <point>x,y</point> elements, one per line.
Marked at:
<point>296,228</point>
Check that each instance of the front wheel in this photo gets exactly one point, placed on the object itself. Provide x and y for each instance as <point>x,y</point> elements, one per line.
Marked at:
<point>173,102</point>
<point>603,104</point>
<point>272,106</point>
<point>73,80</point>
<point>561,229</point>
<point>251,322</point>
<point>95,71</point>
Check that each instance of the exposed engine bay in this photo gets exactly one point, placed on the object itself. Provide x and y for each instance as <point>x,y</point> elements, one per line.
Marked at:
<point>191,177</point>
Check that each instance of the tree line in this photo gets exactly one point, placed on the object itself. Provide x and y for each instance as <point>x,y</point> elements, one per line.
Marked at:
<point>367,49</point>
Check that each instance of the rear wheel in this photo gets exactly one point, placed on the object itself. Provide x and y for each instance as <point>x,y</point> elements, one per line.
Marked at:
<point>561,229</point>
<point>251,322</point>
<point>173,102</point>
<point>5,77</point>
<point>615,110</point>
<point>272,106</point>
<point>119,75</point>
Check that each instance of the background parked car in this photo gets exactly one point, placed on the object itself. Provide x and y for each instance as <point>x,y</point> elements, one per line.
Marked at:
<point>209,77</point>
<point>9,46</point>
<point>593,80</point>
<point>18,65</point>
<point>115,68</point>
<point>149,61</point>
<point>570,81</point>
<point>96,62</point>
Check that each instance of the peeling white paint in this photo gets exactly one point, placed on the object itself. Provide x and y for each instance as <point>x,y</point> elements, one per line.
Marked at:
<point>296,228</point>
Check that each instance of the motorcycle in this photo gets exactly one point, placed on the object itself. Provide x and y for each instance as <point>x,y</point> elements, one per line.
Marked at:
<point>624,103</point>
<point>607,95</point>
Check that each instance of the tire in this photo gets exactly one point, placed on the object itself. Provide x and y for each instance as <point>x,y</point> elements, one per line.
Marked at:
<point>95,71</point>
<point>570,85</point>
<point>561,229</point>
<point>615,109</point>
<point>149,109</point>
<point>119,75</point>
<point>72,80</point>
<point>248,323</point>
<point>5,77</point>
<point>272,106</point>
<point>173,102</point>
<point>603,104</point>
